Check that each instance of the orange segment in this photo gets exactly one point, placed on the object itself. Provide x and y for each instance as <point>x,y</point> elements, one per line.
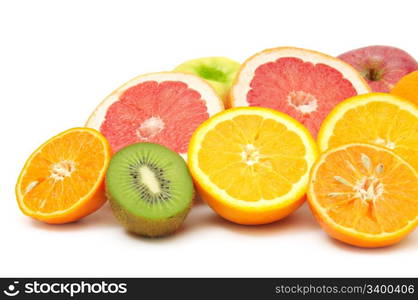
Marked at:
<point>364,195</point>
<point>252,164</point>
<point>376,118</point>
<point>62,180</point>
<point>407,87</point>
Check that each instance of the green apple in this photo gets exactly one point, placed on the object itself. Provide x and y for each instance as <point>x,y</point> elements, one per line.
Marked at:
<point>220,72</point>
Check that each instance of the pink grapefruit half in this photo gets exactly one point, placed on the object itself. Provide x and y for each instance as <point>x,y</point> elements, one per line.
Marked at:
<point>303,83</point>
<point>163,108</point>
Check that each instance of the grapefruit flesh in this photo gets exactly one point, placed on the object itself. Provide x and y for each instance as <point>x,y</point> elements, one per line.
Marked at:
<point>166,105</point>
<point>302,83</point>
<point>158,109</point>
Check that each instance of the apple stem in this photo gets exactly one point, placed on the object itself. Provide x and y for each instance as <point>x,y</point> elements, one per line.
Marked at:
<point>373,75</point>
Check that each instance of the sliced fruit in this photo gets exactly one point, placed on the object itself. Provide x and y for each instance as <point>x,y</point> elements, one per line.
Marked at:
<point>364,195</point>
<point>407,87</point>
<point>62,181</point>
<point>381,66</point>
<point>162,108</point>
<point>218,71</point>
<point>375,118</point>
<point>302,83</point>
<point>149,188</point>
<point>251,164</point>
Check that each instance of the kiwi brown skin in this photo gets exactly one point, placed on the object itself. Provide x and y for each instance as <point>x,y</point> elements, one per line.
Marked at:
<point>147,227</point>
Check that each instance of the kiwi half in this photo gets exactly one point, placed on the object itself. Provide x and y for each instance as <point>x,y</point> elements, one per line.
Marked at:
<point>149,188</point>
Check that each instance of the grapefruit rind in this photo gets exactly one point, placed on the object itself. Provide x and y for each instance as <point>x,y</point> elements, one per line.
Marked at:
<point>77,210</point>
<point>327,127</point>
<point>241,85</point>
<point>346,234</point>
<point>298,189</point>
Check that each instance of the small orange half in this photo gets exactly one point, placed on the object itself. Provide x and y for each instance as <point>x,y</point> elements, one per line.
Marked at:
<point>364,195</point>
<point>63,180</point>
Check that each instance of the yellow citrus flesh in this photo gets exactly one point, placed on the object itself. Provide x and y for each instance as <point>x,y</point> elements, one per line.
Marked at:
<point>364,195</point>
<point>62,181</point>
<point>251,164</point>
<point>377,118</point>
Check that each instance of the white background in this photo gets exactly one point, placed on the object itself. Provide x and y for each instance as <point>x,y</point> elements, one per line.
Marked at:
<point>59,60</point>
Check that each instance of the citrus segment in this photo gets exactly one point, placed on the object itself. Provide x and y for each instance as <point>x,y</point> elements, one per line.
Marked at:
<point>375,118</point>
<point>364,195</point>
<point>407,87</point>
<point>302,83</point>
<point>161,108</point>
<point>62,180</point>
<point>251,164</point>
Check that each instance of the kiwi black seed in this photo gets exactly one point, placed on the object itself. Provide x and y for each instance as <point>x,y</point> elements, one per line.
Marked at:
<point>149,188</point>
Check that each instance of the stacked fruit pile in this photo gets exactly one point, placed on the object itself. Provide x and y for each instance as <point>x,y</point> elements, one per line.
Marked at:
<point>160,136</point>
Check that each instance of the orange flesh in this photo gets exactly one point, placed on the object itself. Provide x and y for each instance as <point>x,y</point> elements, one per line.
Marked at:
<point>380,123</point>
<point>253,158</point>
<point>367,189</point>
<point>64,171</point>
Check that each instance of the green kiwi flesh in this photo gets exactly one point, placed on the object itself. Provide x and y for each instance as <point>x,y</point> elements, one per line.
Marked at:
<point>149,188</point>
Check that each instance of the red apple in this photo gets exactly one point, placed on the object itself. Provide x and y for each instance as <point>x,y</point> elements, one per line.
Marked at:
<point>381,66</point>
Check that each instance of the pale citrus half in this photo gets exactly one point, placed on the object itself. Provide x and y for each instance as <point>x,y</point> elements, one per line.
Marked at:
<point>251,165</point>
<point>364,195</point>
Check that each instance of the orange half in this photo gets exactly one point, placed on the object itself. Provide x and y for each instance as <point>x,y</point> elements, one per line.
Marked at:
<point>251,164</point>
<point>364,195</point>
<point>63,180</point>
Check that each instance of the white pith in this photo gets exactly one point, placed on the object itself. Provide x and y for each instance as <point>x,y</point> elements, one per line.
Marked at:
<point>310,105</point>
<point>62,169</point>
<point>250,155</point>
<point>150,127</point>
<point>247,73</point>
<point>30,186</point>
<point>368,187</point>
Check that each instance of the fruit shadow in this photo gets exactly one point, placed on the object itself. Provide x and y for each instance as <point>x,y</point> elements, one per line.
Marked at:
<point>204,217</point>
<point>301,220</point>
<point>101,218</point>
